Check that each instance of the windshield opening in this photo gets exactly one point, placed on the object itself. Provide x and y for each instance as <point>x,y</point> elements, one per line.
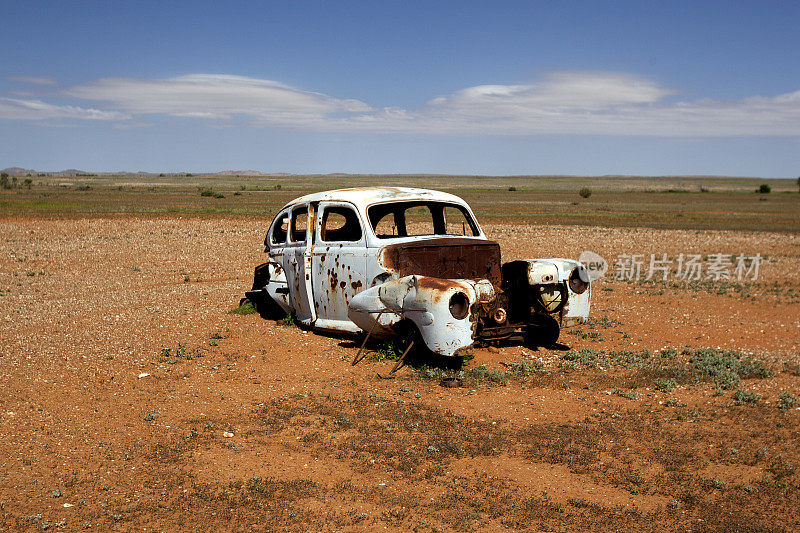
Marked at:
<point>407,219</point>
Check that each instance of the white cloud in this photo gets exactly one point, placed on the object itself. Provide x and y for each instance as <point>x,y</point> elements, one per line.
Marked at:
<point>215,96</point>
<point>594,103</point>
<point>36,80</point>
<point>13,108</point>
<point>590,103</point>
<point>563,90</point>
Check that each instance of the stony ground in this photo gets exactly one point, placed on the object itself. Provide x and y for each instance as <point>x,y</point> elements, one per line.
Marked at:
<point>131,398</point>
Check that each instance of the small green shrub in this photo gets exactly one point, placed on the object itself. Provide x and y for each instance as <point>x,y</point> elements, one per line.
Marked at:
<point>727,368</point>
<point>207,193</point>
<point>672,402</point>
<point>727,379</point>
<point>584,356</point>
<point>630,395</point>
<point>246,308</point>
<point>668,353</point>
<point>665,385</point>
<point>585,192</point>
<point>764,189</point>
<point>741,397</point>
<point>288,320</point>
<point>387,351</point>
<point>525,368</point>
<point>482,373</point>
<point>786,401</point>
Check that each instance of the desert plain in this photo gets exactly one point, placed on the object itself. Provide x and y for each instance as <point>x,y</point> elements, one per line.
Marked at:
<point>134,396</point>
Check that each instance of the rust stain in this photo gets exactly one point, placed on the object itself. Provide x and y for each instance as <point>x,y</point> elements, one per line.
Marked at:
<point>436,283</point>
<point>453,258</point>
<point>356,285</point>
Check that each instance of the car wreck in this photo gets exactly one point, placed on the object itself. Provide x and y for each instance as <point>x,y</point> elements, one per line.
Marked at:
<point>414,263</point>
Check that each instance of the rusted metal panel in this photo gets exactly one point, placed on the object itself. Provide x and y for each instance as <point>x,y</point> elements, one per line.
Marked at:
<point>448,258</point>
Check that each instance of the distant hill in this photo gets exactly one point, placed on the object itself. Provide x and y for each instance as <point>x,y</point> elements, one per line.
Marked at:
<point>17,171</point>
<point>241,173</point>
<point>69,173</point>
<point>72,172</point>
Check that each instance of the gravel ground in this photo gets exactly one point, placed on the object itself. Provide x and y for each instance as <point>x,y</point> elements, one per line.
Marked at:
<point>130,436</point>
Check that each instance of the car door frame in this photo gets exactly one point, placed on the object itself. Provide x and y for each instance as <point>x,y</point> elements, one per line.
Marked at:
<point>297,266</point>
<point>338,271</point>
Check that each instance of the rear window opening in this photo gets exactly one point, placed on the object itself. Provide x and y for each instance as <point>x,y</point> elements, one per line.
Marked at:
<point>408,219</point>
<point>280,228</point>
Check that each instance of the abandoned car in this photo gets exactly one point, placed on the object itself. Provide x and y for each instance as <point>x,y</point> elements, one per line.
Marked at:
<point>396,261</point>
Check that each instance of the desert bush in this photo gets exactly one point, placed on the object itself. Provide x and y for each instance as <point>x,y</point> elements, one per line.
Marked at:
<point>741,397</point>
<point>726,368</point>
<point>246,308</point>
<point>786,401</point>
<point>387,351</point>
<point>585,192</point>
<point>764,189</point>
<point>665,385</point>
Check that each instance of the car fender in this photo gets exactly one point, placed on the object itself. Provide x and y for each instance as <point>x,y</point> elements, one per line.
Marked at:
<point>425,301</point>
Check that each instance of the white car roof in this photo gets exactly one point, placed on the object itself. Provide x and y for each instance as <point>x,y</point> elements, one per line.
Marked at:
<point>370,195</point>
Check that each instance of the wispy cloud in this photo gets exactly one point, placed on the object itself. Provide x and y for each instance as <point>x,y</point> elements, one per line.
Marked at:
<point>589,103</point>
<point>12,108</point>
<point>35,80</point>
<point>597,103</point>
<point>219,97</point>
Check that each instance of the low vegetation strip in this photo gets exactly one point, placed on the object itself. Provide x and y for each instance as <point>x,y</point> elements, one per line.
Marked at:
<point>726,368</point>
<point>607,201</point>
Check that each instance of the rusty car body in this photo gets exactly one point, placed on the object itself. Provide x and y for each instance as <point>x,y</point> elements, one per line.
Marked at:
<point>402,261</point>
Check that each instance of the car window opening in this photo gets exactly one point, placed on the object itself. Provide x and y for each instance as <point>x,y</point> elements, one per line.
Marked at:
<point>340,224</point>
<point>280,229</point>
<point>299,224</point>
<point>405,219</point>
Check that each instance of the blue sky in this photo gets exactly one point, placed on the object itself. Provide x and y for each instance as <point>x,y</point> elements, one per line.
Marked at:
<point>584,87</point>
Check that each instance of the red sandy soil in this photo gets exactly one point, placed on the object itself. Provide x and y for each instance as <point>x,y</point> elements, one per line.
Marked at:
<point>101,430</point>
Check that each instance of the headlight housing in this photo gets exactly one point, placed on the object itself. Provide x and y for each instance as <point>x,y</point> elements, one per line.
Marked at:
<point>578,280</point>
<point>459,305</point>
